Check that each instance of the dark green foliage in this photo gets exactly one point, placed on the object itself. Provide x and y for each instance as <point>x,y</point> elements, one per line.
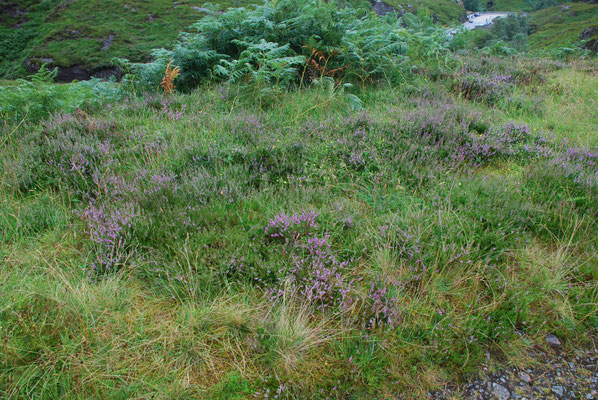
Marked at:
<point>472,5</point>
<point>38,98</point>
<point>361,46</point>
<point>509,28</point>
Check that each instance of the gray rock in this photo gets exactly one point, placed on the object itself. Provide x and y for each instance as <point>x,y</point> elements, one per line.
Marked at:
<point>108,42</point>
<point>382,8</point>
<point>571,365</point>
<point>589,396</point>
<point>553,340</point>
<point>525,377</point>
<point>500,391</point>
<point>588,32</point>
<point>559,391</point>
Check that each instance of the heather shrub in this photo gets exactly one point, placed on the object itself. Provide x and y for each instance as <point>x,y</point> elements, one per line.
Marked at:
<point>287,228</point>
<point>578,164</point>
<point>310,268</point>
<point>108,228</point>
<point>71,151</point>
<point>475,86</point>
<point>380,307</point>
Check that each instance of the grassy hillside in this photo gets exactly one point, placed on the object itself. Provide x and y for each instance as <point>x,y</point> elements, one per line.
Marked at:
<point>89,33</point>
<point>561,26</point>
<point>508,5</point>
<point>199,246</point>
<point>446,11</point>
<point>323,204</point>
<point>521,5</point>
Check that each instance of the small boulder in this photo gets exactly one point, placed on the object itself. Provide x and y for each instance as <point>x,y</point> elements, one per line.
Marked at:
<point>500,392</point>
<point>553,340</point>
<point>108,42</point>
<point>559,391</point>
<point>588,32</point>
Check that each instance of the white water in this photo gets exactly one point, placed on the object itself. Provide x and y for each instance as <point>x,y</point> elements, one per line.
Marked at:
<point>485,18</point>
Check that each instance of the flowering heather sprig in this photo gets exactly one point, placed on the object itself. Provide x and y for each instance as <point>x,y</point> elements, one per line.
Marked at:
<point>381,308</point>
<point>79,121</point>
<point>291,227</point>
<point>515,133</point>
<point>363,120</point>
<point>171,114</point>
<point>579,163</point>
<point>314,270</point>
<point>107,228</point>
<point>315,273</point>
<point>136,188</point>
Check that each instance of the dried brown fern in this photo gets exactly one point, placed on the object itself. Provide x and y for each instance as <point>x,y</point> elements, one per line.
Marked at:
<point>318,62</point>
<point>169,77</point>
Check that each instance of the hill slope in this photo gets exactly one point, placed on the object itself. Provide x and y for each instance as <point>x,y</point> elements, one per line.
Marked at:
<point>562,25</point>
<point>82,36</point>
<point>445,12</point>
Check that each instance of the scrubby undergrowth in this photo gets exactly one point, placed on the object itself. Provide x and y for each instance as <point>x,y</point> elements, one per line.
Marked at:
<point>199,245</point>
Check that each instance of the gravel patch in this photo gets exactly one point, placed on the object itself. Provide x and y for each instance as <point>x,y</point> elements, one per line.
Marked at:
<point>558,376</point>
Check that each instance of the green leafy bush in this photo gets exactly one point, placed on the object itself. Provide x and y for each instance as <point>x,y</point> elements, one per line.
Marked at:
<point>35,99</point>
<point>268,43</point>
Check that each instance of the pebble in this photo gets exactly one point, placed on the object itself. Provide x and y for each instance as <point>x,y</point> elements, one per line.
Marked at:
<point>557,376</point>
<point>559,391</point>
<point>500,391</point>
<point>553,340</point>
